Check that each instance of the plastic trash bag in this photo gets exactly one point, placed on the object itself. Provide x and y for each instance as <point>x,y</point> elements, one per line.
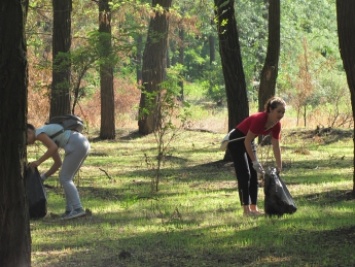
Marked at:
<point>225,141</point>
<point>36,196</point>
<point>278,199</point>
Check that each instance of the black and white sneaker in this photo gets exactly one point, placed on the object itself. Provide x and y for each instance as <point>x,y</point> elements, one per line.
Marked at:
<point>80,212</point>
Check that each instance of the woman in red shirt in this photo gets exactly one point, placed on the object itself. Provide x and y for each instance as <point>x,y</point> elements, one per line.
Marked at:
<point>244,153</point>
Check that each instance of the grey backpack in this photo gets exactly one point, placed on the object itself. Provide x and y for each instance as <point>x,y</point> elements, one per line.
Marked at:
<point>68,122</point>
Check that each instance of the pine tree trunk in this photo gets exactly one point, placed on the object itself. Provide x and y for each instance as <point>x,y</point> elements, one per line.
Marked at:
<point>346,33</point>
<point>107,129</point>
<point>15,240</point>
<point>60,93</point>
<point>270,70</point>
<point>232,66</point>
<point>154,68</point>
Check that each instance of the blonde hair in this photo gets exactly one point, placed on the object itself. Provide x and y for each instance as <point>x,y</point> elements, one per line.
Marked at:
<point>273,103</point>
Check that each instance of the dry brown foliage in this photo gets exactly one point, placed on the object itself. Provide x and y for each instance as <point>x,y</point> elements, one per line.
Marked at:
<point>38,94</point>
<point>127,97</point>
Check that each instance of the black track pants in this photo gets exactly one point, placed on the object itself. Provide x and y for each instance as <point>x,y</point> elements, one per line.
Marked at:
<point>246,176</point>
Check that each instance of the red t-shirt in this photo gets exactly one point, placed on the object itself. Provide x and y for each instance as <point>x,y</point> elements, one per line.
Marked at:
<point>256,123</point>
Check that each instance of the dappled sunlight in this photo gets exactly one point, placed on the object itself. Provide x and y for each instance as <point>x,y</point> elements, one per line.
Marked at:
<point>196,214</point>
<point>56,257</point>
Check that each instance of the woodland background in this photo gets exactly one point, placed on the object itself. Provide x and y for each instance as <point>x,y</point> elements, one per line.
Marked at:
<point>310,78</point>
<point>105,61</point>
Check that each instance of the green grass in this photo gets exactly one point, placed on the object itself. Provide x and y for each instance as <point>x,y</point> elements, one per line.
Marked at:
<point>195,219</point>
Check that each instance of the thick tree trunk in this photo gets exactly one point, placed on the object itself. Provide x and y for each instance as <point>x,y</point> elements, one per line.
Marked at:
<point>346,33</point>
<point>107,129</point>
<point>15,240</point>
<point>154,68</point>
<point>60,93</point>
<point>270,70</point>
<point>232,66</point>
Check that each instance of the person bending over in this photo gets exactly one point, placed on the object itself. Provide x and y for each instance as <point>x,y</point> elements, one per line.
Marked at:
<point>76,147</point>
<point>243,152</point>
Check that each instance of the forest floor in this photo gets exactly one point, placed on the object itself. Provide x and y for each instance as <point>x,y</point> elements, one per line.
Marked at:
<point>195,219</point>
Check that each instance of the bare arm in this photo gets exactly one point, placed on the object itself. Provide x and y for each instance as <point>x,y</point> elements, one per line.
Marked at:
<point>52,152</point>
<point>277,153</point>
<point>56,165</point>
<point>247,142</point>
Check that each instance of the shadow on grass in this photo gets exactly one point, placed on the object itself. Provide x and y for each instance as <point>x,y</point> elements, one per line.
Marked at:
<point>327,198</point>
<point>310,171</point>
<point>181,241</point>
<point>121,134</point>
<point>270,242</point>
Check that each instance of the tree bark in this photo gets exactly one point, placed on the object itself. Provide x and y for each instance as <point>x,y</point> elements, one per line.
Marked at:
<point>60,93</point>
<point>154,68</point>
<point>270,70</point>
<point>346,34</point>
<point>232,66</point>
<point>107,129</point>
<point>15,240</point>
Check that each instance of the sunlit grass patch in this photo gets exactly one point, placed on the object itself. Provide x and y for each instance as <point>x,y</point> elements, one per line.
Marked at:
<point>195,218</point>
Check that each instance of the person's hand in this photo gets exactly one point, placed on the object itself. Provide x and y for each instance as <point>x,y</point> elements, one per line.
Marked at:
<point>257,167</point>
<point>34,164</point>
<point>278,170</point>
<point>43,177</point>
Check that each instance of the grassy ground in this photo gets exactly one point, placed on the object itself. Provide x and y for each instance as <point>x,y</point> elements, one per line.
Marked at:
<point>195,219</point>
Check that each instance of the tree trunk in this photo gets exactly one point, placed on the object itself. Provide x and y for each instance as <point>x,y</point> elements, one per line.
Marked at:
<point>60,93</point>
<point>305,115</point>
<point>270,70</point>
<point>107,130</point>
<point>154,68</point>
<point>232,66</point>
<point>346,33</point>
<point>15,239</point>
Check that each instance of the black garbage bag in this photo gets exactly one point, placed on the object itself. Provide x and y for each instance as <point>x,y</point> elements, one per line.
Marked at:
<point>36,194</point>
<point>278,199</point>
